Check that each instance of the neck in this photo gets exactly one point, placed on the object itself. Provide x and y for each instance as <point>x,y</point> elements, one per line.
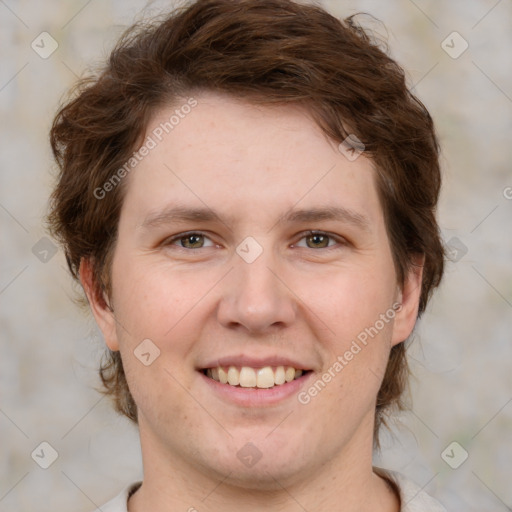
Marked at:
<point>345,482</point>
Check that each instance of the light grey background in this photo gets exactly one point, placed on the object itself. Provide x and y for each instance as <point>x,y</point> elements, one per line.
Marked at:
<point>462,390</point>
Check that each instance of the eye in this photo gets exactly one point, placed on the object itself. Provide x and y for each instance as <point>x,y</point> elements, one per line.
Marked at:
<point>319,240</point>
<point>190,241</point>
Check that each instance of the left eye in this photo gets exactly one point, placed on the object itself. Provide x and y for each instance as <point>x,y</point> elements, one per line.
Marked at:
<point>191,241</point>
<point>317,240</point>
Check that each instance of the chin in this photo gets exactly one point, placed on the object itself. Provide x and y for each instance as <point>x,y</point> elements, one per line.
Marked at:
<point>265,476</point>
<point>264,465</point>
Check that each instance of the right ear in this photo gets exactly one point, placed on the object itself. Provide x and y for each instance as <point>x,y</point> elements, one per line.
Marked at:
<point>98,302</point>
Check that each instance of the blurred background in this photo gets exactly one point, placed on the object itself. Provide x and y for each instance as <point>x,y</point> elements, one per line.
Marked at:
<point>456,439</point>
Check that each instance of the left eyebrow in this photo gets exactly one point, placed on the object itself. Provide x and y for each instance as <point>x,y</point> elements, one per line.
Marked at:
<point>332,213</point>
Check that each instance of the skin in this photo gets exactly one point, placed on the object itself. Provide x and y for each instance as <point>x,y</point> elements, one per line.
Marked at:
<point>304,297</point>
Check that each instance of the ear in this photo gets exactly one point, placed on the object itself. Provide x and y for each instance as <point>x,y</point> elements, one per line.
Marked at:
<point>409,298</point>
<point>98,301</point>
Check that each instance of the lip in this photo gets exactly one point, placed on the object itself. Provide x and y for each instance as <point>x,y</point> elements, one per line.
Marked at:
<point>254,362</point>
<point>256,397</point>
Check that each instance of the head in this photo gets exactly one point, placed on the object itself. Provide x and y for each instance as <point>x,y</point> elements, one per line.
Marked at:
<point>250,109</point>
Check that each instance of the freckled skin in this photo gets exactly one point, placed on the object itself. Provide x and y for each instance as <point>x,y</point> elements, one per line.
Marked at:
<point>253,165</point>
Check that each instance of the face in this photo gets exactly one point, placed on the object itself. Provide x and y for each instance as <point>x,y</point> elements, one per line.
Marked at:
<point>251,249</point>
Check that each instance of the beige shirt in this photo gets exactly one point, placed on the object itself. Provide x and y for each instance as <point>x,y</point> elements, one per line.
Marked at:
<point>413,498</point>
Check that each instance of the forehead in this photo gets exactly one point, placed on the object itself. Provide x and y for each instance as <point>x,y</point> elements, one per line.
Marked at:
<point>226,154</point>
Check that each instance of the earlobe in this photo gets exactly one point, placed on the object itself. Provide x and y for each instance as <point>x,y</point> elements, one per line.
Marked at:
<point>99,304</point>
<point>409,298</point>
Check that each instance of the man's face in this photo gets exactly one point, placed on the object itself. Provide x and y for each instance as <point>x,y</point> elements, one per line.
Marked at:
<point>248,240</point>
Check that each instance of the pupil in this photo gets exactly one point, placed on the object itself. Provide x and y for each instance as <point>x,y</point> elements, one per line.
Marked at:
<point>192,240</point>
<point>318,240</point>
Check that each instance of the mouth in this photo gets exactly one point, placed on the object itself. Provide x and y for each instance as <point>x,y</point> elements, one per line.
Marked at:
<point>258,378</point>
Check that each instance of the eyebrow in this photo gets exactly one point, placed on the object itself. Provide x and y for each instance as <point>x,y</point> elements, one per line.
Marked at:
<point>333,213</point>
<point>178,214</point>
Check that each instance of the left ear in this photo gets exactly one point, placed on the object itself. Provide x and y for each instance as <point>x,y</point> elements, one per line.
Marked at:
<point>409,297</point>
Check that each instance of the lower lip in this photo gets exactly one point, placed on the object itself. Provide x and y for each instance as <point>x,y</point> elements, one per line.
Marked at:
<point>256,397</point>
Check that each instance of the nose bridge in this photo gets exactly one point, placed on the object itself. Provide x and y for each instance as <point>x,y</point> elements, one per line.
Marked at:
<point>254,296</point>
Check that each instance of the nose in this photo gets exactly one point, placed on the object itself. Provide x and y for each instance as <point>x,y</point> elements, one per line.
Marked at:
<point>255,297</point>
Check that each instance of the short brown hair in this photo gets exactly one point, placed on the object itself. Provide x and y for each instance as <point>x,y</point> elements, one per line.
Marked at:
<point>265,52</point>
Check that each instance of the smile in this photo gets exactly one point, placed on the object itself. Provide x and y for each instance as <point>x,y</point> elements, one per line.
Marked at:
<point>247,377</point>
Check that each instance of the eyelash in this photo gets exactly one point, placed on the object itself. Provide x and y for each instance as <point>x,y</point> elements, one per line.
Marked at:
<point>340,241</point>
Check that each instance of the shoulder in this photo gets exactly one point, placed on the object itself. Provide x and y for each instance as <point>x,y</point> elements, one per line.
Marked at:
<point>120,502</point>
<point>412,497</point>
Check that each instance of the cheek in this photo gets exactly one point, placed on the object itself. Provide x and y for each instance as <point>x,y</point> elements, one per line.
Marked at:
<point>153,300</point>
<point>348,385</point>
<point>357,306</point>
<point>353,300</point>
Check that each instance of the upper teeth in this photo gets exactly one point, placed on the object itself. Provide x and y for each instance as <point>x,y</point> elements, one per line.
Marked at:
<point>247,377</point>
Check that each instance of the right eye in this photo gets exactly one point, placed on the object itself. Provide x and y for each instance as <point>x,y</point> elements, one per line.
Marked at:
<point>191,240</point>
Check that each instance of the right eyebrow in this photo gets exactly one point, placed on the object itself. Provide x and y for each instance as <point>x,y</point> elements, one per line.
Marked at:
<point>179,214</point>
